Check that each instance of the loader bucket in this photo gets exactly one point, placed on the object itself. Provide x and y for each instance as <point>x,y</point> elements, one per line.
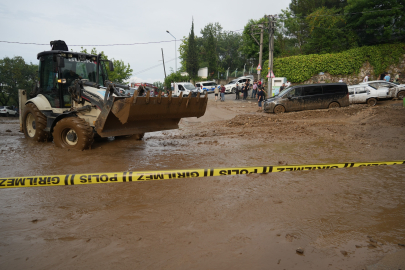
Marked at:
<point>135,115</point>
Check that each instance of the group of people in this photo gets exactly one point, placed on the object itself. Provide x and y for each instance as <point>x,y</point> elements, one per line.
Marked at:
<point>386,77</point>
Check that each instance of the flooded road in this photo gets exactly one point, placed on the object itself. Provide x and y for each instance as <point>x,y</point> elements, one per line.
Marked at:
<point>341,219</point>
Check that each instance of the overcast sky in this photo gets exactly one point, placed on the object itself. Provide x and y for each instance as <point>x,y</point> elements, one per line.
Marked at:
<point>110,22</point>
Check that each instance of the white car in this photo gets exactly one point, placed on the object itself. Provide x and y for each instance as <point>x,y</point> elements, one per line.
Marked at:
<point>362,94</point>
<point>386,89</point>
<point>7,111</point>
<point>231,86</point>
<point>208,86</point>
<point>185,88</point>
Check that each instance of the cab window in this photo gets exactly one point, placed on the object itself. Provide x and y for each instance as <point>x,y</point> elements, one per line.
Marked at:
<point>181,88</point>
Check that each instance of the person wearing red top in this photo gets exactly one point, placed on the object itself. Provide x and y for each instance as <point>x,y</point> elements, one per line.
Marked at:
<point>223,93</point>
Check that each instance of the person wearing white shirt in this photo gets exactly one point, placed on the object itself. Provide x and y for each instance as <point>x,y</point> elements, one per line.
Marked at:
<point>365,79</point>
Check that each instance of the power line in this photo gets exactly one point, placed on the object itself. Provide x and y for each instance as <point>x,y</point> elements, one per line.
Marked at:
<point>149,68</point>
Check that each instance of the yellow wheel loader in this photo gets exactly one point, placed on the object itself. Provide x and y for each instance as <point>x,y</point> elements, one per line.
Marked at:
<point>74,101</point>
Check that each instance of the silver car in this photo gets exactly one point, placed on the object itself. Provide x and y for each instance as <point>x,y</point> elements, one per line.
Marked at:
<point>363,94</point>
<point>386,89</point>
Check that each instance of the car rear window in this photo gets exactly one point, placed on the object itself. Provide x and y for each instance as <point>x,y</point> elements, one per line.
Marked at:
<point>312,90</point>
<point>1,107</point>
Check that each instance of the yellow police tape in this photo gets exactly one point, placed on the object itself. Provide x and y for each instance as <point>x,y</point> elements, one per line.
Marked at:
<point>99,178</point>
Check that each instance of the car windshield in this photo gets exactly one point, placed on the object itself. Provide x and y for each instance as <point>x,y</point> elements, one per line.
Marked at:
<point>282,93</point>
<point>232,82</point>
<point>82,69</point>
<point>189,86</point>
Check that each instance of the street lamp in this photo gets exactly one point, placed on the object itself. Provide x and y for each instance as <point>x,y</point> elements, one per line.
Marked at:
<point>175,48</point>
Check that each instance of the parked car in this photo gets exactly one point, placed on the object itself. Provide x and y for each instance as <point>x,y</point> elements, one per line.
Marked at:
<point>363,94</point>
<point>185,88</point>
<point>386,89</point>
<point>7,111</point>
<point>207,86</point>
<point>309,97</point>
<point>231,86</point>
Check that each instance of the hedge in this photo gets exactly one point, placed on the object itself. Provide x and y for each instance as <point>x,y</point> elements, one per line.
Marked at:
<point>302,67</point>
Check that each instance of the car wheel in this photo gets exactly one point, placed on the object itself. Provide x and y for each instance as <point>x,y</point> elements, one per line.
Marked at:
<point>371,102</point>
<point>34,124</point>
<point>73,133</point>
<point>334,105</point>
<point>233,90</point>
<point>279,109</point>
<point>401,95</point>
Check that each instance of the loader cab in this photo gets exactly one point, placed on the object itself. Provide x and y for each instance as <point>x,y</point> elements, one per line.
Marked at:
<point>59,69</point>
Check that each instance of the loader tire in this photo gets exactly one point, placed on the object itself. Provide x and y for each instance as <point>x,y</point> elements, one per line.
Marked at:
<point>73,133</point>
<point>34,124</point>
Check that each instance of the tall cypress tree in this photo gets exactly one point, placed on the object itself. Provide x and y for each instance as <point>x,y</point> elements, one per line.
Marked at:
<point>192,56</point>
<point>211,54</point>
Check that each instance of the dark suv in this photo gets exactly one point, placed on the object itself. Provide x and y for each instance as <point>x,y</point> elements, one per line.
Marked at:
<point>309,97</point>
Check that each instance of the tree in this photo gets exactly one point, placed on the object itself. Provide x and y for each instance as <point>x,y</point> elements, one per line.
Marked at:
<point>15,74</point>
<point>175,77</point>
<point>121,71</point>
<point>211,54</point>
<point>192,54</point>
<point>376,21</point>
<point>328,32</point>
<point>159,85</point>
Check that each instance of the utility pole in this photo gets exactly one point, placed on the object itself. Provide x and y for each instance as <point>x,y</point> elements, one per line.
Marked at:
<point>272,20</point>
<point>164,68</point>
<point>253,28</point>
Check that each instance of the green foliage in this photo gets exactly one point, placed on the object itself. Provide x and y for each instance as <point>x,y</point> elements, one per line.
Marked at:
<point>175,77</point>
<point>211,54</point>
<point>301,68</point>
<point>15,74</point>
<point>159,85</point>
<point>376,21</point>
<point>192,65</point>
<point>328,33</point>
<point>121,71</point>
<point>226,54</point>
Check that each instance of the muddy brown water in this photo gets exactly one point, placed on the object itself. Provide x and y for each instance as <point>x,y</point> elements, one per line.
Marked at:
<point>342,219</point>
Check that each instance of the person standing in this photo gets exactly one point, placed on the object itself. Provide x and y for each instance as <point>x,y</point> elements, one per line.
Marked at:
<point>223,93</point>
<point>216,92</point>
<point>260,98</point>
<point>245,91</point>
<point>254,90</point>
<point>396,79</point>
<point>282,87</point>
<point>237,90</point>
<point>387,77</point>
<point>288,84</point>
<point>259,83</point>
<point>247,88</point>
<point>365,79</point>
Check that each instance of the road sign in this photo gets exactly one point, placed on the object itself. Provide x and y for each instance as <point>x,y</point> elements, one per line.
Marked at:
<point>259,67</point>
<point>270,75</point>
